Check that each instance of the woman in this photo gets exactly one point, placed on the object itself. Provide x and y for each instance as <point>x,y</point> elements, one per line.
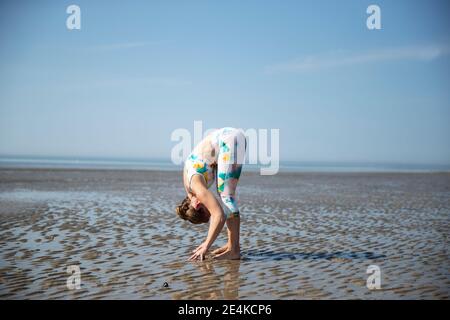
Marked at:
<point>217,158</point>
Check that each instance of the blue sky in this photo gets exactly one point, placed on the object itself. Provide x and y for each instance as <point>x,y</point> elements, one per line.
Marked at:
<point>137,70</point>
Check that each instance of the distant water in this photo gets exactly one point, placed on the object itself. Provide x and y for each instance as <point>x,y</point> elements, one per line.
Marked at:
<point>70,163</point>
<point>167,165</point>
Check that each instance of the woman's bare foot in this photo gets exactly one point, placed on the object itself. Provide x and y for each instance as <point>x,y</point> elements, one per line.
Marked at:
<point>221,250</point>
<point>228,255</point>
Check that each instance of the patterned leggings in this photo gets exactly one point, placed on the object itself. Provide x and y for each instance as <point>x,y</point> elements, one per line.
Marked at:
<point>232,145</point>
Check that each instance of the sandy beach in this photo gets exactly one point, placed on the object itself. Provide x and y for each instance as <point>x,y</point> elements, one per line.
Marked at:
<point>303,236</point>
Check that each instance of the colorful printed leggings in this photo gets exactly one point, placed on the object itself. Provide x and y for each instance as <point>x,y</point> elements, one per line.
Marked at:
<point>232,145</point>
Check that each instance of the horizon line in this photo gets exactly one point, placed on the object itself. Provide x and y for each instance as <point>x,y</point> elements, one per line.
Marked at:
<point>288,162</point>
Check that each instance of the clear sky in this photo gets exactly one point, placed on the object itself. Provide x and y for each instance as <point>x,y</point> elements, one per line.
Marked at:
<point>137,70</point>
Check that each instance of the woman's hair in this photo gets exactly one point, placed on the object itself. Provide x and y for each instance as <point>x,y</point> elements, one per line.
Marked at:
<point>186,212</point>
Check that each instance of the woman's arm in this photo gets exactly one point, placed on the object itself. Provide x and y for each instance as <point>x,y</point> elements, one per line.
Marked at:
<point>217,220</point>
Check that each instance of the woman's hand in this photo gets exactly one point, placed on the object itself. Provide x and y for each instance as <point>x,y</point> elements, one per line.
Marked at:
<point>200,252</point>
<point>195,202</point>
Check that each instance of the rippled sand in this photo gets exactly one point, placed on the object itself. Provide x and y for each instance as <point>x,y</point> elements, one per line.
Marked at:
<point>304,236</point>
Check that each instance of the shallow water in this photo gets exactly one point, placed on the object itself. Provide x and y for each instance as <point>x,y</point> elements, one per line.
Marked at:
<point>303,236</point>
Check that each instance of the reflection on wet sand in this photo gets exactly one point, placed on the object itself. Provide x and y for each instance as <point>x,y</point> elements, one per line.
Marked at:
<point>212,284</point>
<point>303,236</point>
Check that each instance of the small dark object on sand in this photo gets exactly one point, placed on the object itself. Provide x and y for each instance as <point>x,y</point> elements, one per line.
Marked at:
<point>165,285</point>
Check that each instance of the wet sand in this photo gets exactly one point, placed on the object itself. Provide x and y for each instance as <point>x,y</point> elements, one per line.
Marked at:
<point>304,236</point>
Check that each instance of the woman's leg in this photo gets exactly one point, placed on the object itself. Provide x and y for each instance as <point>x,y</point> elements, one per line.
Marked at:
<point>225,246</point>
<point>229,167</point>
<point>233,229</point>
<point>234,225</point>
<point>233,250</point>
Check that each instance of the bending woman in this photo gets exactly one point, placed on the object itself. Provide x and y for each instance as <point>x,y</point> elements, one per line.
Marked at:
<point>217,158</point>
